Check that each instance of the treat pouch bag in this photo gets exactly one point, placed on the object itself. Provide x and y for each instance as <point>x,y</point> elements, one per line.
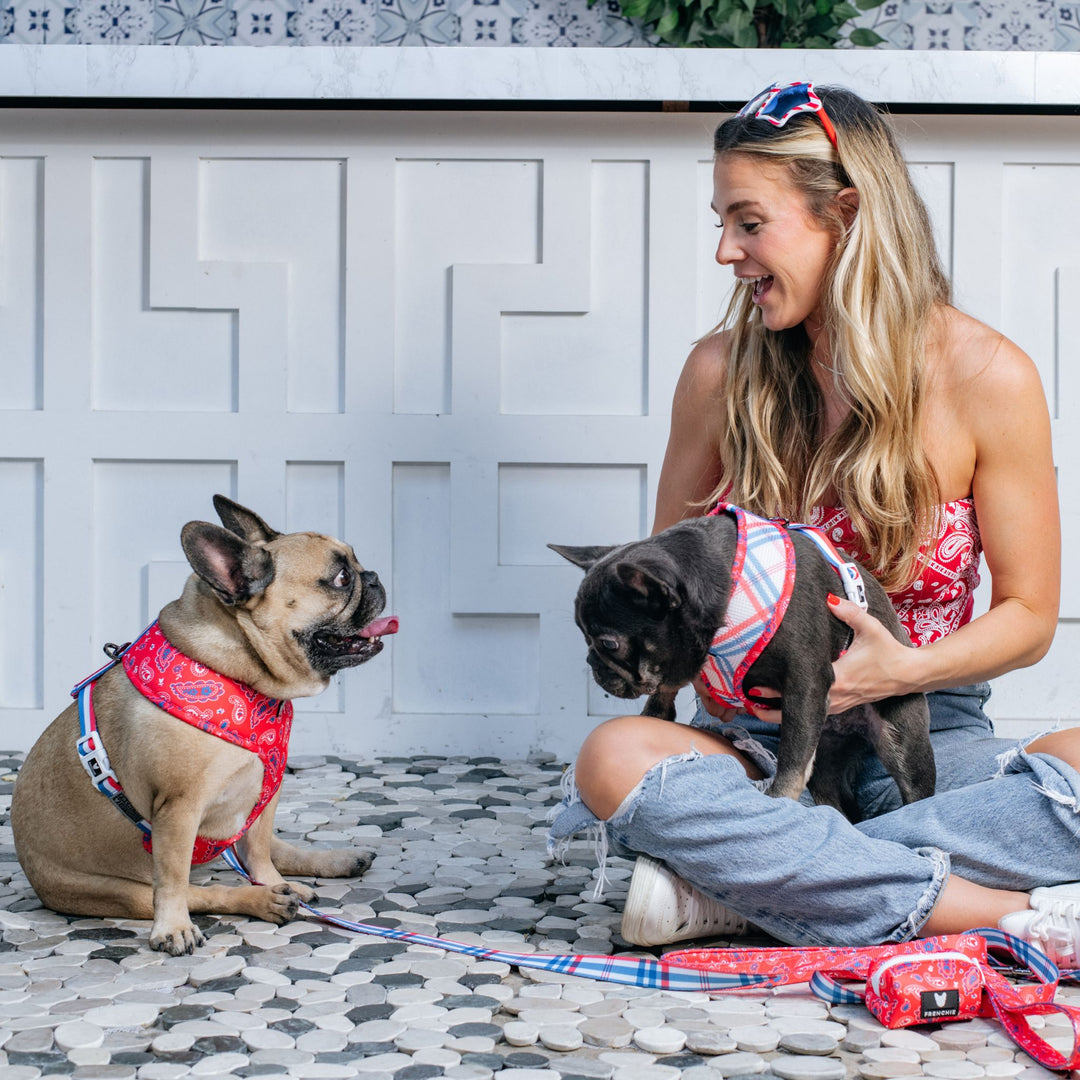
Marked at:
<point>926,988</point>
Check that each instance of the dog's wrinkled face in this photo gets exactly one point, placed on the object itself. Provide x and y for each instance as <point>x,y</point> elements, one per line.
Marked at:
<point>328,601</point>
<point>627,609</point>
<point>305,603</point>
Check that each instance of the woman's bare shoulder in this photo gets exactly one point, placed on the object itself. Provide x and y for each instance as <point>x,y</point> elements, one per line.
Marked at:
<point>706,366</point>
<point>972,353</point>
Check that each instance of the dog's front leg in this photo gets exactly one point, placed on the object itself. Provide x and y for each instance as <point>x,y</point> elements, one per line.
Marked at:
<point>255,850</point>
<point>175,824</point>
<point>803,719</point>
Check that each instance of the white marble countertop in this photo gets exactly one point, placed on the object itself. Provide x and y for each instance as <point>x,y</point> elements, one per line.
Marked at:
<point>70,73</point>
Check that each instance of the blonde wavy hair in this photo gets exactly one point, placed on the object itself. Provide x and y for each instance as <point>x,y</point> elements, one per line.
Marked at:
<point>878,296</point>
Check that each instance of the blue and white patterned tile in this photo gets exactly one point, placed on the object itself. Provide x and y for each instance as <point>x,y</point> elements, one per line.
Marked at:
<point>333,22</point>
<point>111,22</point>
<point>193,22</point>
<point>566,23</point>
<point>261,22</point>
<point>1067,26</point>
<point>940,25</point>
<point>486,22</point>
<point>416,22</point>
<point>36,23</point>
<point>1011,25</point>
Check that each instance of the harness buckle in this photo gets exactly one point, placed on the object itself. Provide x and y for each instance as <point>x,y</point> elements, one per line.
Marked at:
<point>94,760</point>
<point>853,584</point>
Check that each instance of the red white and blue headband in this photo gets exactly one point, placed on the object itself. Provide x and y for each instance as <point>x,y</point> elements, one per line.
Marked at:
<point>780,102</point>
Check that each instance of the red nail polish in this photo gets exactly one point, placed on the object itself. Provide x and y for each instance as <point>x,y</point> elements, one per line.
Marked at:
<point>833,600</point>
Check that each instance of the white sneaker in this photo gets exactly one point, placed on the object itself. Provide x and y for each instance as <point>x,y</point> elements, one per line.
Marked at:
<point>661,908</point>
<point>1052,923</point>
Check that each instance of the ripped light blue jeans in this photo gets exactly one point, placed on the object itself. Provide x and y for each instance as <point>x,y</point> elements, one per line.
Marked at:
<point>1001,817</point>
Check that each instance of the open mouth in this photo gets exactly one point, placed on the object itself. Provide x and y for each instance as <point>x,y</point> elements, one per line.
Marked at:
<point>762,285</point>
<point>360,646</point>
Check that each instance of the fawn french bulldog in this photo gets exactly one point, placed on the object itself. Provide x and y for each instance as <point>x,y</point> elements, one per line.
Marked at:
<point>188,736</point>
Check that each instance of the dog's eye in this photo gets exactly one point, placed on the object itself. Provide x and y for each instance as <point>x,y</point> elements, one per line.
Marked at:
<point>609,643</point>
<point>344,578</point>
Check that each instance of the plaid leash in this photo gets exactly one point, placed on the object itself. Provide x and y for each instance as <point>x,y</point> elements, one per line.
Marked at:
<point>731,970</point>
<point>631,971</point>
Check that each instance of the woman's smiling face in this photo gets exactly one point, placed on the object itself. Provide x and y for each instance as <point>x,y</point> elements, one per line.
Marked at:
<point>770,238</point>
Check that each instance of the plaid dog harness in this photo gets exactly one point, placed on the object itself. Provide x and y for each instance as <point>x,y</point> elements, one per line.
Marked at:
<point>194,693</point>
<point>763,576</point>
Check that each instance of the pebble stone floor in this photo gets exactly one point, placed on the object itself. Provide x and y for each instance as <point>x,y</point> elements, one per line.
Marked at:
<point>460,853</point>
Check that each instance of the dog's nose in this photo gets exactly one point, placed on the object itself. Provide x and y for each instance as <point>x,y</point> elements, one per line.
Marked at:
<point>368,578</point>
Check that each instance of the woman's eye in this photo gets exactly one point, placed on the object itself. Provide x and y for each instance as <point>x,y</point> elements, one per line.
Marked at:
<point>750,226</point>
<point>344,578</point>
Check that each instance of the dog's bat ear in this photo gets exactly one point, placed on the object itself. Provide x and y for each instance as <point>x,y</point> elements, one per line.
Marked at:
<point>233,568</point>
<point>243,522</point>
<point>660,595</point>
<point>585,557</point>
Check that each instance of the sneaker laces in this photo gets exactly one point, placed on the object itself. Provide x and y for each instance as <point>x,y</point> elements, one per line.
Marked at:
<point>1057,924</point>
<point>705,914</point>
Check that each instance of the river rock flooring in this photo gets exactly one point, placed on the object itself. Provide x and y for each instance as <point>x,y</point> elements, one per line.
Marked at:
<point>460,853</point>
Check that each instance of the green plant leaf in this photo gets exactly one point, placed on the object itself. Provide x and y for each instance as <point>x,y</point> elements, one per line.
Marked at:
<point>842,12</point>
<point>867,5</point>
<point>865,38</point>
<point>668,21</point>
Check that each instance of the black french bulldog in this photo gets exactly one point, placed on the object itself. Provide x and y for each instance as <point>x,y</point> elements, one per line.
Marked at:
<point>649,611</point>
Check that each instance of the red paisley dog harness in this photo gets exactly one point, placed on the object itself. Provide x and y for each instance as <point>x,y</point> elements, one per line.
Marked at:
<point>196,694</point>
<point>763,576</point>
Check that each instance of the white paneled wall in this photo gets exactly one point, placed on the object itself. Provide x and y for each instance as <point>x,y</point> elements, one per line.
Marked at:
<point>448,338</point>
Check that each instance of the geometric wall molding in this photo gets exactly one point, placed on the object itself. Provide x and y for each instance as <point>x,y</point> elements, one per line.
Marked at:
<point>449,339</point>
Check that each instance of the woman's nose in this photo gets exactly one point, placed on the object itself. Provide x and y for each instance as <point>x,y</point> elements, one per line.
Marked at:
<point>727,251</point>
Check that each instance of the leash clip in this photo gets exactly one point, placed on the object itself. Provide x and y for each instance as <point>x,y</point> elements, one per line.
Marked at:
<point>94,760</point>
<point>114,651</point>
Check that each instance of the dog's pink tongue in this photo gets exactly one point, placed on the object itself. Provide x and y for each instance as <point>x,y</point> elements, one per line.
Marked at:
<point>380,627</point>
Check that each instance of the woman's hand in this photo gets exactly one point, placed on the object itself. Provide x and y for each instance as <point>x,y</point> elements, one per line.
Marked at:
<point>875,666</point>
<point>724,713</point>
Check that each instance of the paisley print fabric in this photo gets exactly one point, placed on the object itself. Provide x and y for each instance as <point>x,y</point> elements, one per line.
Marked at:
<point>941,598</point>
<point>218,705</point>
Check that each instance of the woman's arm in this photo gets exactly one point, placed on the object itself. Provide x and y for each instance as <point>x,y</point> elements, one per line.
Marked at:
<point>691,468</point>
<point>1003,407</point>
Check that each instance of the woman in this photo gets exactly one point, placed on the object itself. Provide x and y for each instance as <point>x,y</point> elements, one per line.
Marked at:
<point>843,389</point>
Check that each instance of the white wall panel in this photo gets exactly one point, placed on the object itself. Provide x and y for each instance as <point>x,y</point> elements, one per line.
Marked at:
<point>136,507</point>
<point>21,207</point>
<point>449,339</point>
<point>21,564</point>
<point>555,362</point>
<point>305,202</point>
<point>452,213</point>
<point>148,357</point>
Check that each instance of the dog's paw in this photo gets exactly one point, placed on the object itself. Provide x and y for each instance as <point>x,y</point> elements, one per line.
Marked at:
<point>176,941</point>
<point>280,903</point>
<point>305,892</point>
<point>341,862</point>
<point>361,861</point>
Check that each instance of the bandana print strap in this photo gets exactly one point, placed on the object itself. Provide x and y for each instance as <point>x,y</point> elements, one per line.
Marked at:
<point>217,705</point>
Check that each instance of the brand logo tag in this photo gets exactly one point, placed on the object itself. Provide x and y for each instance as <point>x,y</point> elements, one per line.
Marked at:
<point>939,1004</point>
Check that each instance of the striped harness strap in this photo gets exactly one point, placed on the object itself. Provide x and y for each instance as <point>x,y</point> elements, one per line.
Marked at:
<point>91,750</point>
<point>763,577</point>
